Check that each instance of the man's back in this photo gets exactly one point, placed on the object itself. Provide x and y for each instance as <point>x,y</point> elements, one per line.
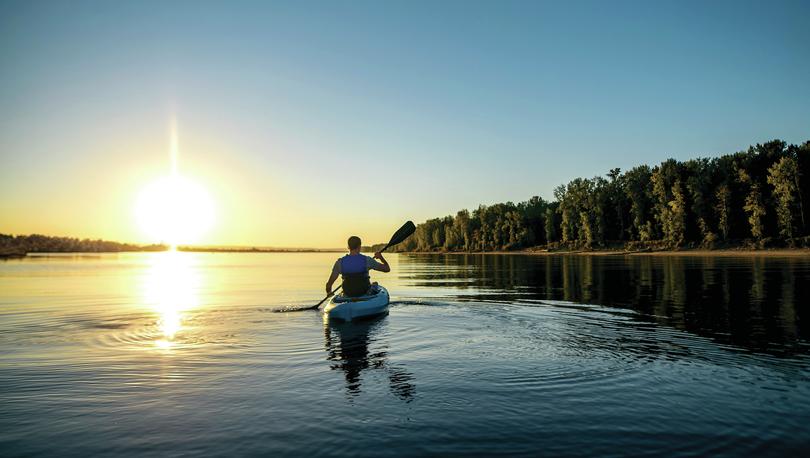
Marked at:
<point>354,269</point>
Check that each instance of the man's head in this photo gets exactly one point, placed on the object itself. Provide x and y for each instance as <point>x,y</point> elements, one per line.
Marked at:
<point>354,243</point>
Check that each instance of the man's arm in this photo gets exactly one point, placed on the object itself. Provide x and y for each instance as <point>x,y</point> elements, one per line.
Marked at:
<point>332,279</point>
<point>382,266</point>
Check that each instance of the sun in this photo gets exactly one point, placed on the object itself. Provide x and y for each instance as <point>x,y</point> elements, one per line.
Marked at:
<point>175,210</point>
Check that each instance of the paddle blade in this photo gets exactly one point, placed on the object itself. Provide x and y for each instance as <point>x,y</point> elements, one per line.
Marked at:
<point>403,233</point>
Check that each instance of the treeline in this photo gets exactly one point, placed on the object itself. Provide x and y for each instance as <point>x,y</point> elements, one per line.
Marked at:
<point>754,198</point>
<point>36,243</point>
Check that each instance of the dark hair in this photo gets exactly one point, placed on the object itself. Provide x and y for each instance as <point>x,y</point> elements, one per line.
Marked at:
<point>354,242</point>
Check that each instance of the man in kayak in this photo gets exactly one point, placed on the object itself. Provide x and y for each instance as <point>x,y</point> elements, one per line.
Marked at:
<point>354,269</point>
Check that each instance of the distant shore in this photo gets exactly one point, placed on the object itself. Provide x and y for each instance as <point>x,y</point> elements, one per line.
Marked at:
<point>257,250</point>
<point>22,254</point>
<point>20,246</point>
<point>778,252</point>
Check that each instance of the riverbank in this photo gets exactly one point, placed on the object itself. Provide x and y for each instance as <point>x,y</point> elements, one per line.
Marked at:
<point>12,254</point>
<point>729,252</point>
<point>780,252</point>
<point>22,254</point>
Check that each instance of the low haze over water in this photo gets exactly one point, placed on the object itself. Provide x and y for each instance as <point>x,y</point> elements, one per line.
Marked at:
<point>183,353</point>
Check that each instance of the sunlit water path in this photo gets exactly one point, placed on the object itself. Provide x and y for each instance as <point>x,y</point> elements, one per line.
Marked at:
<point>179,353</point>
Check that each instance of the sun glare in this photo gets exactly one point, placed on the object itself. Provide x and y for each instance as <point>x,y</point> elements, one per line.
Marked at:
<point>175,210</point>
<point>171,287</point>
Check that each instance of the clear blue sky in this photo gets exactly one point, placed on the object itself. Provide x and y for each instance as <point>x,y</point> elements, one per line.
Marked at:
<point>436,105</point>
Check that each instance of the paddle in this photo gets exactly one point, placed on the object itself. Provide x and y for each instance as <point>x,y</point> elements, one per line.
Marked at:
<point>399,236</point>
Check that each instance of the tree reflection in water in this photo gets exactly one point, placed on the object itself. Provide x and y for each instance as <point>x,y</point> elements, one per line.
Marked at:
<point>348,348</point>
<point>752,302</point>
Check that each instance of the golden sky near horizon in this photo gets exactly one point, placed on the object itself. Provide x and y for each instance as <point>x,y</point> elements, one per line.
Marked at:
<point>252,204</point>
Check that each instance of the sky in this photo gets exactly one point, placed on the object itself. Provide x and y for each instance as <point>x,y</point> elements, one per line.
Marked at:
<point>305,122</point>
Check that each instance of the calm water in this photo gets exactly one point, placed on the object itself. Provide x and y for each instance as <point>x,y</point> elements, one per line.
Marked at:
<point>179,353</point>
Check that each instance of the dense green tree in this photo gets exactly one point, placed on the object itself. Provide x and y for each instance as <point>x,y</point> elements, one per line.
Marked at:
<point>637,189</point>
<point>534,215</point>
<point>670,211</point>
<point>784,177</point>
<point>463,229</point>
<point>802,155</point>
<point>754,206</point>
<point>723,209</point>
<point>551,223</point>
<point>675,224</point>
<point>617,201</point>
<point>699,187</point>
<point>600,208</point>
<point>567,211</point>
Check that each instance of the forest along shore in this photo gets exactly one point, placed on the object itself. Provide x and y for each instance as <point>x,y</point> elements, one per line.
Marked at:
<point>749,199</point>
<point>776,253</point>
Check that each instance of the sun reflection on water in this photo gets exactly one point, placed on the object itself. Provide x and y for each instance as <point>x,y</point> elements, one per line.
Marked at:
<point>171,288</point>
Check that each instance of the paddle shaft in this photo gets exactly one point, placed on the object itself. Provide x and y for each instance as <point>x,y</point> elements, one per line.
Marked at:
<point>328,296</point>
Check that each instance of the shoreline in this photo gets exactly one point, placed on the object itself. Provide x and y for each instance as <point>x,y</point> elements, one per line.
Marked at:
<point>697,252</point>
<point>258,250</point>
<point>20,255</point>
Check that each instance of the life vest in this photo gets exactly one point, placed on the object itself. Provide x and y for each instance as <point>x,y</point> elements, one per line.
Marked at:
<point>354,271</point>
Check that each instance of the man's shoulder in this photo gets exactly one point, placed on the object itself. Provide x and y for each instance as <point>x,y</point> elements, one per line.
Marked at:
<point>371,262</point>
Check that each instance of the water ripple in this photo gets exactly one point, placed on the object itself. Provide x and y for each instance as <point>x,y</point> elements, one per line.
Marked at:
<point>462,366</point>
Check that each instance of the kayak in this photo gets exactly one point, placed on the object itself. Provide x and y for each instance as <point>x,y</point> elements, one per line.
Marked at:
<point>345,308</point>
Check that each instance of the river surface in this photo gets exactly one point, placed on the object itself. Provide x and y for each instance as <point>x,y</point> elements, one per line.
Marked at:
<point>169,354</point>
